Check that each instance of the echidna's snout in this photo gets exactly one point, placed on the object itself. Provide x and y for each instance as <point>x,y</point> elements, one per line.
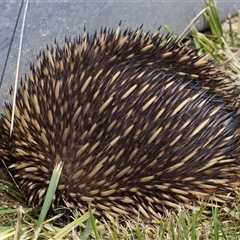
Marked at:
<point>139,123</point>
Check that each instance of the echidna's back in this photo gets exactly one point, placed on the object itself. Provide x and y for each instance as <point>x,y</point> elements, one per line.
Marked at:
<point>138,123</point>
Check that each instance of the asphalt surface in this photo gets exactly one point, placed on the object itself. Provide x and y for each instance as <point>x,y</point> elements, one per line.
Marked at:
<point>49,20</point>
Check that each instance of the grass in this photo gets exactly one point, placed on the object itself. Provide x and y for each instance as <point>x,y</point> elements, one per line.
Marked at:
<point>182,225</point>
<point>222,45</point>
<point>19,222</point>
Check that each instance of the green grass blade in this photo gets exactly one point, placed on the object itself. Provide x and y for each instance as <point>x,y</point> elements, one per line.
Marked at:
<point>49,197</point>
<point>71,226</point>
<point>215,223</point>
<point>93,221</point>
<point>194,225</point>
<point>183,226</point>
<point>87,230</point>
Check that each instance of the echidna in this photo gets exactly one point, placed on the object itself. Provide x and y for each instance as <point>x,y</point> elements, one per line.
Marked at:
<point>139,123</point>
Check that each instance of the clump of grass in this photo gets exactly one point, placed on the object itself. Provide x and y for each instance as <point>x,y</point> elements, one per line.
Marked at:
<point>221,44</point>
<point>172,225</point>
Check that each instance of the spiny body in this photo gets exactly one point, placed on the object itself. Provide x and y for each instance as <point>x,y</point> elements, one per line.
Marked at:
<point>139,123</point>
